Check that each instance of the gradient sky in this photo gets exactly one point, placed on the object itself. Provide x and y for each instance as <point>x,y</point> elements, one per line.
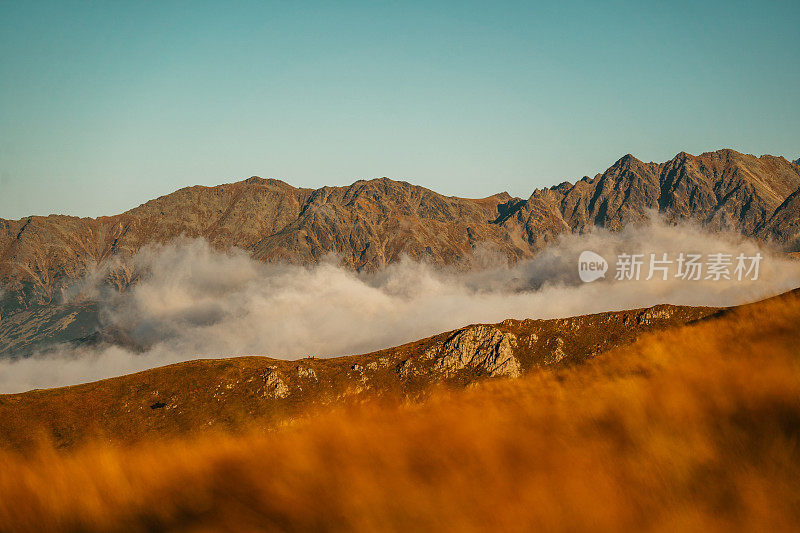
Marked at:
<point>103,106</point>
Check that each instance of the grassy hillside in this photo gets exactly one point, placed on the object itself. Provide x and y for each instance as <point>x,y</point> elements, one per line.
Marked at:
<point>230,394</point>
<point>692,428</point>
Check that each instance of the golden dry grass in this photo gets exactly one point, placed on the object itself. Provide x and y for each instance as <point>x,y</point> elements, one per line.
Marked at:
<point>690,429</point>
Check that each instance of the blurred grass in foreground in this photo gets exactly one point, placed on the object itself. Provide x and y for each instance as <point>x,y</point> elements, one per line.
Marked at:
<point>691,429</point>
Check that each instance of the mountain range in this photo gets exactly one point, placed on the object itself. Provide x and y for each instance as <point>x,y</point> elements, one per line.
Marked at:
<point>373,223</point>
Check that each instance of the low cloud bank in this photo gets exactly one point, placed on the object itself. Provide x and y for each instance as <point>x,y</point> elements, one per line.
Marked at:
<point>192,302</point>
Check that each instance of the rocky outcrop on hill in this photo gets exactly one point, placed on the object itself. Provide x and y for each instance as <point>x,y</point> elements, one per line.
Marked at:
<point>482,349</point>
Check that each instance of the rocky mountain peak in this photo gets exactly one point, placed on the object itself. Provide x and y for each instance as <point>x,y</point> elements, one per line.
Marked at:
<point>626,162</point>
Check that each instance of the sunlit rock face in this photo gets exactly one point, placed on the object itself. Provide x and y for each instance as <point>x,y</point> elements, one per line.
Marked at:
<point>482,348</point>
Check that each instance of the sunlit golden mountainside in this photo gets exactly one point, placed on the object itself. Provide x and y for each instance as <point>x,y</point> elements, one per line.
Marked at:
<point>690,427</point>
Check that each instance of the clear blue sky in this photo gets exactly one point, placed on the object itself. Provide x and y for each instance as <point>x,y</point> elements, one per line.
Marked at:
<point>105,105</point>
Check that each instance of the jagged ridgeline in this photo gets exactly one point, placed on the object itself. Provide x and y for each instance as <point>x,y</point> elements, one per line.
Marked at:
<point>372,223</point>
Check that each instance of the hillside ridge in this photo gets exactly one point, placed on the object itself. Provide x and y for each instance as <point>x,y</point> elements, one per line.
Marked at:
<point>226,393</point>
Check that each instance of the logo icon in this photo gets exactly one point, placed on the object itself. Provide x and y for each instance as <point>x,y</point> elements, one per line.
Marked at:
<point>591,266</point>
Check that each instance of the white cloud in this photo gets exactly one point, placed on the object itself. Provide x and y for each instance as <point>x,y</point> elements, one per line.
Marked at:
<point>193,302</point>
